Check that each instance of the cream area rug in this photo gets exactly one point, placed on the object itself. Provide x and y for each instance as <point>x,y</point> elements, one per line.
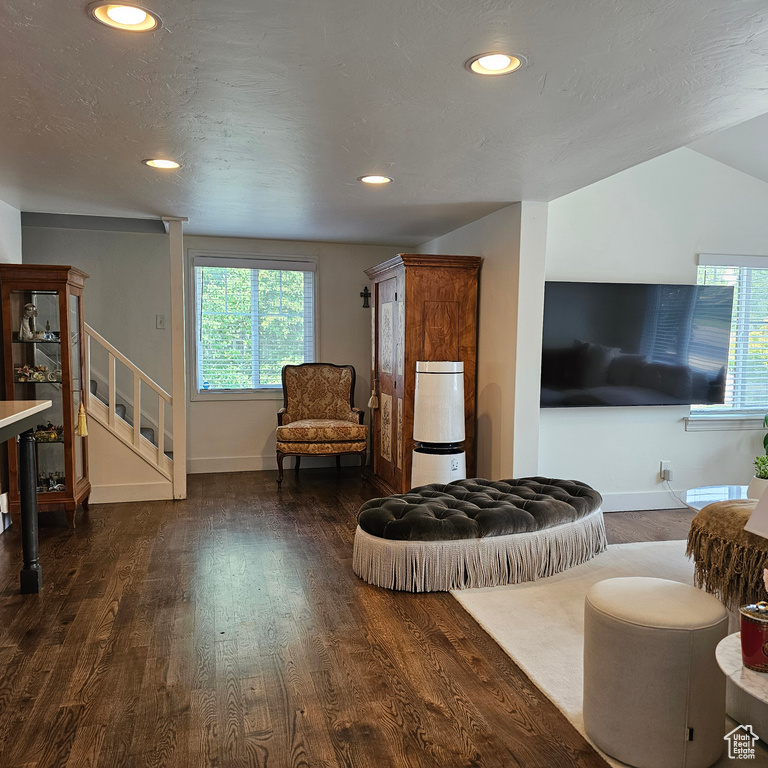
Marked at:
<point>519,616</point>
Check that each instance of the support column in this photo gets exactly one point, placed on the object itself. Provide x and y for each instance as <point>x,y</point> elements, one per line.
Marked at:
<point>178,356</point>
<point>31,576</point>
<point>512,242</point>
<point>530,312</point>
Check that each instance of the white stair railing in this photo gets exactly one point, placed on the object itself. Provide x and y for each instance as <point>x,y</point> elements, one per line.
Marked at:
<point>106,413</point>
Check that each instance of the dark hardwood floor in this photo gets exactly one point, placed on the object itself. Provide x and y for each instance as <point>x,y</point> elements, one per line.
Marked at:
<point>229,630</point>
<point>653,525</point>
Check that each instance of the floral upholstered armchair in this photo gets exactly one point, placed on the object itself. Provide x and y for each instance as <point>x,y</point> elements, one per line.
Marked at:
<point>318,417</point>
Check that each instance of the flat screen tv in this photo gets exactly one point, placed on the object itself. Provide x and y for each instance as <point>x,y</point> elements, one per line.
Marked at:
<point>619,344</point>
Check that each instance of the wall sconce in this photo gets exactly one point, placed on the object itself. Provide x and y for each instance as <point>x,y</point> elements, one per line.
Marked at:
<point>365,294</point>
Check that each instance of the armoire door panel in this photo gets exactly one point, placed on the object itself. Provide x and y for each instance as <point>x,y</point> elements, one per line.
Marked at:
<point>384,434</point>
<point>441,330</point>
<point>387,338</point>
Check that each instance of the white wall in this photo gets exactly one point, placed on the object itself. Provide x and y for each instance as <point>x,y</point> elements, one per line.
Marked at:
<point>117,473</point>
<point>128,285</point>
<point>647,224</point>
<point>512,243</point>
<point>10,234</point>
<point>227,436</point>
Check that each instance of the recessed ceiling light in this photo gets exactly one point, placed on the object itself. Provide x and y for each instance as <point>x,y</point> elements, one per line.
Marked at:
<point>372,179</point>
<point>158,163</point>
<point>495,63</point>
<point>133,18</point>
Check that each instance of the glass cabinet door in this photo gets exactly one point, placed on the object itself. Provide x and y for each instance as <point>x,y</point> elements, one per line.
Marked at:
<point>37,375</point>
<point>77,385</point>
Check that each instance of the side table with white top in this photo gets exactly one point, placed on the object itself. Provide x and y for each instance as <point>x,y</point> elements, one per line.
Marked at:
<point>747,692</point>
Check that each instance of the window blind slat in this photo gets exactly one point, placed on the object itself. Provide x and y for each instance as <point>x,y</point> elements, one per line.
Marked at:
<point>747,376</point>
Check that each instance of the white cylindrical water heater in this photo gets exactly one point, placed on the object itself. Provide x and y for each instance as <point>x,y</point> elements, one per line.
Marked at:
<point>438,423</point>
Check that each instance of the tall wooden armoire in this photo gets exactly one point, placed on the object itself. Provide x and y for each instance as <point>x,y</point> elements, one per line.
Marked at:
<point>425,308</point>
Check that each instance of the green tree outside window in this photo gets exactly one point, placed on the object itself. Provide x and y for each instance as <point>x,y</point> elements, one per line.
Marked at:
<point>250,323</point>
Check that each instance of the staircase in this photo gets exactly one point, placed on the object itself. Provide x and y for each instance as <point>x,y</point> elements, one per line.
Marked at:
<point>117,410</point>
<point>121,409</point>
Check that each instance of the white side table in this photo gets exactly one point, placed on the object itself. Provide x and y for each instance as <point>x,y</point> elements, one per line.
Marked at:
<point>698,498</point>
<point>747,690</point>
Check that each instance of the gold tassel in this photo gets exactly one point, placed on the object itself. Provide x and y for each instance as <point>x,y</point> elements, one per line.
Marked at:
<point>82,424</point>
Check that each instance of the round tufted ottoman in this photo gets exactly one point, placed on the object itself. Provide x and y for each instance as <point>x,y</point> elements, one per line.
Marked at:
<point>477,533</point>
<point>654,696</point>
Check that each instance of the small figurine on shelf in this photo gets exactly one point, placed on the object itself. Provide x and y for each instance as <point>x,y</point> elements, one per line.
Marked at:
<point>49,433</point>
<point>31,373</point>
<point>27,329</point>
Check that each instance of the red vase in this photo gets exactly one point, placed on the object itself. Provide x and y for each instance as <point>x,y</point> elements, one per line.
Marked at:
<point>754,636</point>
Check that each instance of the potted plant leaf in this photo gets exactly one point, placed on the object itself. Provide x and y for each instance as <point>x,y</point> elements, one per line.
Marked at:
<point>760,481</point>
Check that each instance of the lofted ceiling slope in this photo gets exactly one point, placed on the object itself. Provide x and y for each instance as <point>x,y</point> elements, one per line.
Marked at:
<point>275,108</point>
<point>744,147</point>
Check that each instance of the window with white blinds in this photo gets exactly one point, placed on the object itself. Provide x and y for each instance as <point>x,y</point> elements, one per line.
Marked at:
<point>747,376</point>
<point>252,317</point>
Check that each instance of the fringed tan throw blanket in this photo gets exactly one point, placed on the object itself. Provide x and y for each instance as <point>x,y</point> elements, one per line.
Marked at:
<point>729,561</point>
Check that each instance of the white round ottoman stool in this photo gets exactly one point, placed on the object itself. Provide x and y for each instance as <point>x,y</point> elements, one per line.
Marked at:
<point>654,696</point>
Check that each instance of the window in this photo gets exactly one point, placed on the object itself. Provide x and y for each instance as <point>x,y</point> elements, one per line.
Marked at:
<point>746,388</point>
<point>252,317</point>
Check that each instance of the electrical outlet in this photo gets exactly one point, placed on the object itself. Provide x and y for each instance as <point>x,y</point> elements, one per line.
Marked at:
<point>665,471</point>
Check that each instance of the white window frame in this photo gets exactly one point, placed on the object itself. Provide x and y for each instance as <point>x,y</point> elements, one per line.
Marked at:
<point>727,419</point>
<point>197,257</point>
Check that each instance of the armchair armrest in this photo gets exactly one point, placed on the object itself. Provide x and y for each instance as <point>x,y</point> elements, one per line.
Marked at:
<point>360,413</point>
<point>282,412</point>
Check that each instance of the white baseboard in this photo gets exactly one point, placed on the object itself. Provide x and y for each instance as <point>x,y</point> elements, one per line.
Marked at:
<point>626,502</point>
<point>113,494</point>
<point>204,466</point>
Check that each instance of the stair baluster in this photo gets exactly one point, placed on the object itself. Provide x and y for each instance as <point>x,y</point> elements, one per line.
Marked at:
<point>133,430</point>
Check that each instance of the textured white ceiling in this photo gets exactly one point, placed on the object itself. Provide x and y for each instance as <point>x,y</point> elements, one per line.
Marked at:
<point>276,107</point>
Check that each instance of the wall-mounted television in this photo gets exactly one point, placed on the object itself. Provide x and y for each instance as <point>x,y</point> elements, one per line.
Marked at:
<point>619,344</point>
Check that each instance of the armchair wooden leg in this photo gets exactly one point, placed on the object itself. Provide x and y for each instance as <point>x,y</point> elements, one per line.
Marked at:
<point>280,457</point>
<point>338,464</point>
<point>296,464</point>
<point>363,456</point>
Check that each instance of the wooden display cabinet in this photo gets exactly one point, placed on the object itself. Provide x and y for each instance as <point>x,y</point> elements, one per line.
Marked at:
<point>48,365</point>
<point>424,308</point>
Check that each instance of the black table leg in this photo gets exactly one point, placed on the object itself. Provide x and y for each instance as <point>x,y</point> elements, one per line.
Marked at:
<point>31,573</point>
